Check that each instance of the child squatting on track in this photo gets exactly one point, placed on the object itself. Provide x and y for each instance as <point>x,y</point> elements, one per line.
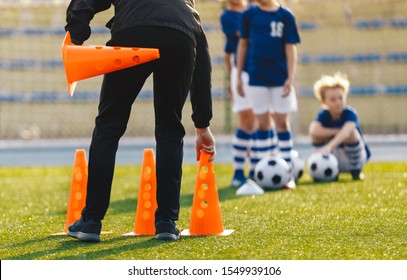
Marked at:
<point>336,128</point>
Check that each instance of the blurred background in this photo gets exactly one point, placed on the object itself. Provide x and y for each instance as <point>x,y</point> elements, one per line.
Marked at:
<point>365,39</point>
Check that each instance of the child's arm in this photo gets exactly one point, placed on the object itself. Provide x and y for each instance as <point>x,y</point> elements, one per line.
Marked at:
<point>344,133</point>
<point>317,131</point>
<point>241,59</point>
<point>291,53</point>
<point>228,61</point>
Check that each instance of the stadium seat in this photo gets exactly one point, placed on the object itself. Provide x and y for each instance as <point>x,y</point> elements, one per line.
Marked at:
<point>35,31</point>
<point>398,23</point>
<point>307,25</point>
<point>330,58</point>
<point>366,57</point>
<point>305,59</point>
<point>208,27</point>
<point>370,24</point>
<point>364,90</point>
<point>52,63</point>
<point>21,63</point>
<point>397,57</point>
<point>5,32</point>
<point>396,89</point>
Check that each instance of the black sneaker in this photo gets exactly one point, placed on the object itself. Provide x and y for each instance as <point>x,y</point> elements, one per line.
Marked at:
<point>86,230</point>
<point>166,230</point>
<point>357,175</point>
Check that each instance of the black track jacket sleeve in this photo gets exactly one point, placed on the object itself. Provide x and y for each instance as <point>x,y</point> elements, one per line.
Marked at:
<point>201,98</point>
<point>78,17</point>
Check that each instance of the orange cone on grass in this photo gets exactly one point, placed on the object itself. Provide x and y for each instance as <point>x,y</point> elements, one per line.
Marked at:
<point>146,203</point>
<point>82,62</point>
<point>206,217</point>
<point>77,196</point>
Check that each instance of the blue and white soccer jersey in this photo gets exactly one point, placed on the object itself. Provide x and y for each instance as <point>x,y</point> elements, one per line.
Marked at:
<point>269,32</point>
<point>350,156</point>
<point>230,21</point>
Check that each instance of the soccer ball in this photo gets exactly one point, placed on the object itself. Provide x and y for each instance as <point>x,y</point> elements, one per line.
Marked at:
<point>323,167</point>
<point>298,164</point>
<point>272,172</point>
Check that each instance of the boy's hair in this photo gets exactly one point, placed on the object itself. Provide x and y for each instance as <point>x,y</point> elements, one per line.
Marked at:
<point>338,80</point>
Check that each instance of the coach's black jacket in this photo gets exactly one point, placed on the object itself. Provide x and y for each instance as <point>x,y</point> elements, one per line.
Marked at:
<point>177,14</point>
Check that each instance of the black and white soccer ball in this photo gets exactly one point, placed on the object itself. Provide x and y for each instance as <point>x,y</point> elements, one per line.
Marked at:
<point>272,172</point>
<point>298,164</point>
<point>323,167</point>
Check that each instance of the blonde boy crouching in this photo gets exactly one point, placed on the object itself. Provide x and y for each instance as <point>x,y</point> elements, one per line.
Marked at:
<point>336,128</point>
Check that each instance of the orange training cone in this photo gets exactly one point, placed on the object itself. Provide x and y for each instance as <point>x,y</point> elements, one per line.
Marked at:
<point>206,218</point>
<point>83,62</point>
<point>77,197</point>
<point>147,202</point>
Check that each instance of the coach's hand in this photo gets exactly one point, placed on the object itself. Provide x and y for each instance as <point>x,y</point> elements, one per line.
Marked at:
<point>205,141</point>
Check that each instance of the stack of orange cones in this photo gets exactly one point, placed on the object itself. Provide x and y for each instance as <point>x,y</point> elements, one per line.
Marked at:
<point>82,62</point>
<point>77,196</point>
<point>206,218</point>
<point>147,203</point>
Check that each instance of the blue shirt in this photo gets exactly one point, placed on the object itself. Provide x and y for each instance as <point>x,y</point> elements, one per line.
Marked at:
<point>268,33</point>
<point>230,22</point>
<point>349,114</point>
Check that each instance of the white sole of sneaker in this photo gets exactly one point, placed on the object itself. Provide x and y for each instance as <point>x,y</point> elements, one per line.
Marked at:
<point>86,237</point>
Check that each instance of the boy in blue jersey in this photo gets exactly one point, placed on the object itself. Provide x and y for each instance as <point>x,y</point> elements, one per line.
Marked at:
<point>244,135</point>
<point>271,55</point>
<point>336,128</point>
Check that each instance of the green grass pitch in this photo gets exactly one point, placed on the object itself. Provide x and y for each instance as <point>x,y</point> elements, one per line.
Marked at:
<point>327,221</point>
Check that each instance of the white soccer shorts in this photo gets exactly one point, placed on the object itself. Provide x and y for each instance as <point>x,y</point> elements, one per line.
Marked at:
<point>270,99</point>
<point>240,103</point>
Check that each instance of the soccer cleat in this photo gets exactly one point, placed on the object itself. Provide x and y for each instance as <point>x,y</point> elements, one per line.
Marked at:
<point>357,175</point>
<point>87,230</point>
<point>166,230</point>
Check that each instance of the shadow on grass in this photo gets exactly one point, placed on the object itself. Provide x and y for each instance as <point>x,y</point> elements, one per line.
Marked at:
<point>85,250</point>
<point>31,242</point>
<point>117,248</point>
<point>34,255</point>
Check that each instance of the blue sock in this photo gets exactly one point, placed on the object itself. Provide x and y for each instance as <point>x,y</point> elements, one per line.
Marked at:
<point>285,144</point>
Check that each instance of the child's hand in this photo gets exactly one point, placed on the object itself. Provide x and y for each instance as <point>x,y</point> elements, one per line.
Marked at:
<point>287,87</point>
<point>240,87</point>
<point>325,149</point>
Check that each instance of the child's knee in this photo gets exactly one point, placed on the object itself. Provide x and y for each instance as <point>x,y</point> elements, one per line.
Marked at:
<point>353,137</point>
